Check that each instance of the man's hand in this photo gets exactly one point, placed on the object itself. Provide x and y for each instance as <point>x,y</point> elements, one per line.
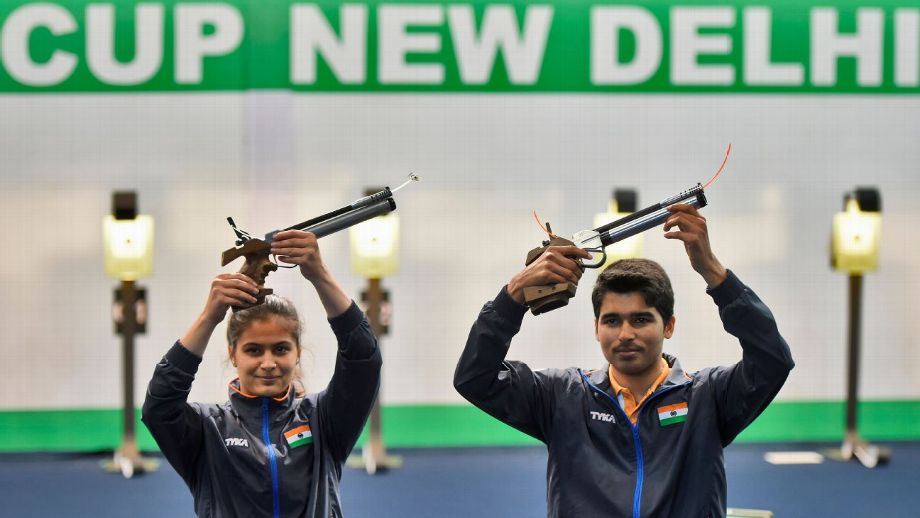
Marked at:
<point>300,248</point>
<point>691,229</point>
<point>557,264</point>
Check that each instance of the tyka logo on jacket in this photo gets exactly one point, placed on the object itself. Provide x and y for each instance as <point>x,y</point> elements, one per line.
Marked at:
<point>600,416</point>
<point>236,441</point>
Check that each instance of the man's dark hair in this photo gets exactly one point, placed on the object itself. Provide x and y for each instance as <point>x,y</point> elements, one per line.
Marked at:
<point>642,276</point>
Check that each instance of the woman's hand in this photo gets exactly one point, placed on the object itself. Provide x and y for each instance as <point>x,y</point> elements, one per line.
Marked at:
<point>228,289</point>
<point>300,248</point>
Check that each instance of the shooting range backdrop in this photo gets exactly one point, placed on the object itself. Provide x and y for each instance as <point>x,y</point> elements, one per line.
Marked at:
<point>274,111</point>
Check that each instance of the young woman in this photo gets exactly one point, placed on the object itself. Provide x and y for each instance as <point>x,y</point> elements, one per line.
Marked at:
<point>266,452</point>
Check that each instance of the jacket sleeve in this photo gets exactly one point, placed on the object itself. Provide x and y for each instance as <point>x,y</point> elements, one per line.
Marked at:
<point>507,390</point>
<point>347,402</point>
<point>174,424</point>
<point>744,390</point>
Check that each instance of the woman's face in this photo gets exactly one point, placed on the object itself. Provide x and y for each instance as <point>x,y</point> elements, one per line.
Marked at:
<point>265,357</point>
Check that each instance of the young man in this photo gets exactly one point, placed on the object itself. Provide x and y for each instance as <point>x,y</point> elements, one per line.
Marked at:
<point>638,436</point>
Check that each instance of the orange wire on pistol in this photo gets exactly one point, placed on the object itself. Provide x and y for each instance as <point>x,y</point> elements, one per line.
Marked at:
<point>727,151</point>
<point>711,180</point>
<point>542,226</point>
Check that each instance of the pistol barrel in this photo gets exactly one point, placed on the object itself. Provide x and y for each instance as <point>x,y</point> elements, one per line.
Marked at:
<point>357,204</point>
<point>346,219</point>
<point>649,217</point>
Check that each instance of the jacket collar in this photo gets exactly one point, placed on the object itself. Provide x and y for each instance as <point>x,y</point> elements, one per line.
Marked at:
<point>601,379</point>
<point>250,406</point>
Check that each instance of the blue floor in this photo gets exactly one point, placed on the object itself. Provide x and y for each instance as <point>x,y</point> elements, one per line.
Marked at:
<point>481,482</point>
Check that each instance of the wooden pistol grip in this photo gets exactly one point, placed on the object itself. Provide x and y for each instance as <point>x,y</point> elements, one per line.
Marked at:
<point>534,254</point>
<point>257,265</point>
<point>538,251</point>
<point>541,299</point>
<point>260,298</point>
<point>253,246</point>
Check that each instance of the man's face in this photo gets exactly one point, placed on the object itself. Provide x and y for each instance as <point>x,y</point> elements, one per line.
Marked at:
<point>631,333</point>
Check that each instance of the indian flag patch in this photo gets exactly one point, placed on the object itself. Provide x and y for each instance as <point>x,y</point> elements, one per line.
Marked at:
<point>672,414</point>
<point>299,436</point>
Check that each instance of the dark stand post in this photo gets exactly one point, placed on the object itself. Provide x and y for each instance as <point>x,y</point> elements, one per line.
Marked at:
<point>374,456</point>
<point>853,354</point>
<point>853,446</point>
<point>129,449</point>
<point>127,458</point>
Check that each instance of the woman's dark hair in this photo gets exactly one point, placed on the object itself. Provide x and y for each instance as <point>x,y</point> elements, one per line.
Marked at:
<point>273,306</point>
<point>643,276</point>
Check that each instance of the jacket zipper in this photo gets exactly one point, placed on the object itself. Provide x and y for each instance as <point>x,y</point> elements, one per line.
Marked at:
<point>272,461</point>
<point>640,458</point>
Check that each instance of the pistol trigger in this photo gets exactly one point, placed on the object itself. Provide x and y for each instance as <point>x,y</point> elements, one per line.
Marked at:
<point>599,262</point>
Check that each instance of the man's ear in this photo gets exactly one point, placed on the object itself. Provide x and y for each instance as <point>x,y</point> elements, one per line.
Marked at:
<point>669,327</point>
<point>595,331</point>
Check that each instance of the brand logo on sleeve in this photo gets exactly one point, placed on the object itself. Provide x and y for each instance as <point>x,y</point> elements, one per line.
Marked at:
<point>236,441</point>
<point>601,416</point>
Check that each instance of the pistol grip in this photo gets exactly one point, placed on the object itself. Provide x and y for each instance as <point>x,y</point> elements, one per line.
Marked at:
<point>538,251</point>
<point>257,268</point>
<point>260,298</point>
<point>257,265</point>
<point>534,254</point>
<point>541,299</point>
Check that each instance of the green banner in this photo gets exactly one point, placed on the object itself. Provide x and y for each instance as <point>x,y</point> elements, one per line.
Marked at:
<point>739,46</point>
